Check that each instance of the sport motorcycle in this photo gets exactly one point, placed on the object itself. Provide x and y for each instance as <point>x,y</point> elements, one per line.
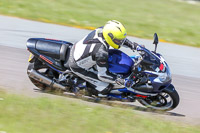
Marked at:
<point>49,70</point>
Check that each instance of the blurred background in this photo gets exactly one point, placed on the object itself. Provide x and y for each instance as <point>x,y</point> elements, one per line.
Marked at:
<point>176,21</point>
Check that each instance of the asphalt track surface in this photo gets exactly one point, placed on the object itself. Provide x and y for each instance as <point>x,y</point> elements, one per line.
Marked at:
<point>184,62</point>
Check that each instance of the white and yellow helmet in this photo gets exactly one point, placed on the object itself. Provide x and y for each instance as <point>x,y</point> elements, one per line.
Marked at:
<point>114,33</point>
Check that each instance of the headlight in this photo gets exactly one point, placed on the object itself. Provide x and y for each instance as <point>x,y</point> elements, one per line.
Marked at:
<point>166,76</point>
<point>163,77</point>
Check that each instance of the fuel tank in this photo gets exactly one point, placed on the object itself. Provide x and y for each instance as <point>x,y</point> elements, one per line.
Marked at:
<point>119,62</point>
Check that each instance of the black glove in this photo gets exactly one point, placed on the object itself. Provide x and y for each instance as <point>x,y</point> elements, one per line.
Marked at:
<point>140,48</point>
<point>126,82</point>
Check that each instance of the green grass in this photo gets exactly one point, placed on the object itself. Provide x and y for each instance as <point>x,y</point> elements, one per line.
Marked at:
<point>20,114</point>
<point>174,21</point>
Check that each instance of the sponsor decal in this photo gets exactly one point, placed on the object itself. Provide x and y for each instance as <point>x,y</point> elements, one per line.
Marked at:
<point>82,62</point>
<point>45,59</point>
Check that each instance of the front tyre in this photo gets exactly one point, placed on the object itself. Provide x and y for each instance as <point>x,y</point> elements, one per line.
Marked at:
<point>164,101</point>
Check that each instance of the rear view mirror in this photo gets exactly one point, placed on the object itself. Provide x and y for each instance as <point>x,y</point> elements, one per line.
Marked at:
<point>155,39</point>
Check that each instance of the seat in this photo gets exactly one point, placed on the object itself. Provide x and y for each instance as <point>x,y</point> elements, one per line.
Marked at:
<point>66,63</point>
<point>54,49</point>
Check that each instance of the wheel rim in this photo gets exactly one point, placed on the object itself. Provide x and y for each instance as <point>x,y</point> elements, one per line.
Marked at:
<point>163,101</point>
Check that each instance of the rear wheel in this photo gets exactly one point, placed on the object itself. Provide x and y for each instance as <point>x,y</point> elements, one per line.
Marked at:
<point>164,101</point>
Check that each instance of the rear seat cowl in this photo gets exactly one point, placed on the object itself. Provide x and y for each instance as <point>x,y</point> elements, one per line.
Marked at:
<point>53,48</point>
<point>31,42</point>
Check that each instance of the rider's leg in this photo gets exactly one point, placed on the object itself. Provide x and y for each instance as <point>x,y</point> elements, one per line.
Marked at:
<point>91,77</point>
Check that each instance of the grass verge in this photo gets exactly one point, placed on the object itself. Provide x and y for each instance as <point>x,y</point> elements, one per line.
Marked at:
<point>174,21</point>
<point>20,114</point>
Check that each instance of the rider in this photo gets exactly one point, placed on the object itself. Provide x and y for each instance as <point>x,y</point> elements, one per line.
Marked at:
<point>89,56</point>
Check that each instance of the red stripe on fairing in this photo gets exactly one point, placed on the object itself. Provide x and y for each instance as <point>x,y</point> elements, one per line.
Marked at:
<point>141,96</point>
<point>45,59</point>
<point>51,39</point>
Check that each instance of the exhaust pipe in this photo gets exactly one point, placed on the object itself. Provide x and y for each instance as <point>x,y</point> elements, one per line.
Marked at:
<point>35,75</point>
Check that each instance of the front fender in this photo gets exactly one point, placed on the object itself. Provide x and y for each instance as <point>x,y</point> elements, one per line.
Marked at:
<point>170,88</point>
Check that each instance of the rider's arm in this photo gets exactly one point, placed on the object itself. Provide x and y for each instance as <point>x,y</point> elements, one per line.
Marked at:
<point>101,58</point>
<point>129,44</point>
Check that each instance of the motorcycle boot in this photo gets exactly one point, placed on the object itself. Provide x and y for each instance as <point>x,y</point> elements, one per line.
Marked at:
<point>106,91</point>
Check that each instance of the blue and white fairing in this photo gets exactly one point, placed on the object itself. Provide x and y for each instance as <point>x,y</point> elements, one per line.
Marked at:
<point>159,74</point>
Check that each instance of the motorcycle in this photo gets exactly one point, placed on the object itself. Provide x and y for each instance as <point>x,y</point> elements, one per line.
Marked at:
<point>49,70</point>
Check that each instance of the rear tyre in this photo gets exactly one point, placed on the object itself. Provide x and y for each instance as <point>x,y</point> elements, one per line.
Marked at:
<point>164,101</point>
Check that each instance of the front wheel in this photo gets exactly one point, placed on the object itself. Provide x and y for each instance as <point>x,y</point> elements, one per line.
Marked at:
<point>164,101</point>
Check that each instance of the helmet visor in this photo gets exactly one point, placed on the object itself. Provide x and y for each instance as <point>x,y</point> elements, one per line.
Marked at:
<point>119,42</point>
